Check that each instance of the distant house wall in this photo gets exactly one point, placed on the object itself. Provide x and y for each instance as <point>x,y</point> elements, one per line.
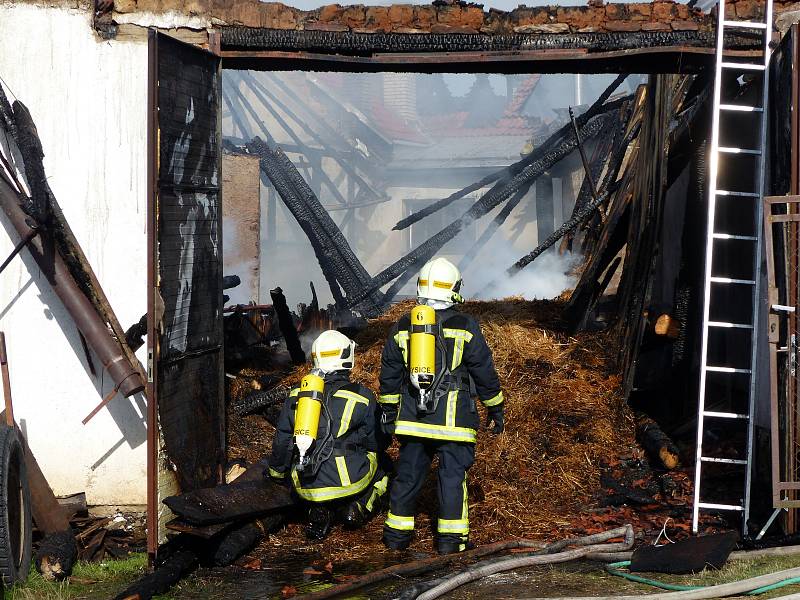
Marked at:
<point>88,98</point>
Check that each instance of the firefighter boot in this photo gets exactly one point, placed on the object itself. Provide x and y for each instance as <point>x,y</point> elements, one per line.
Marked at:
<point>319,523</point>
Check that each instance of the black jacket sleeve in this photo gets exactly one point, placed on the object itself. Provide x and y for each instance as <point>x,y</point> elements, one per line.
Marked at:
<point>282,442</point>
<point>367,428</point>
<point>393,372</point>
<point>480,365</point>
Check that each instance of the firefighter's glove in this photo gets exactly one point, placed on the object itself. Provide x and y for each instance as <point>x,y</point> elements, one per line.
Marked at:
<point>388,417</point>
<point>495,416</point>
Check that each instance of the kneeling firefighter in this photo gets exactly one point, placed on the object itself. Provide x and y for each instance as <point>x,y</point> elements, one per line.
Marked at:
<point>325,441</point>
<point>426,367</point>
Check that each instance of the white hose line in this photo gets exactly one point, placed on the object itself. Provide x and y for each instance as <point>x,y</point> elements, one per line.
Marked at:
<point>480,571</point>
<point>734,588</point>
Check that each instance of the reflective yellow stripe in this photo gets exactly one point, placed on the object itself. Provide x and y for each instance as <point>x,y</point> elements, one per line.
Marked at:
<point>462,334</point>
<point>389,398</point>
<point>332,493</point>
<point>347,414</point>
<point>435,432</point>
<point>347,395</point>
<point>341,466</point>
<point>276,474</point>
<point>378,490</point>
<point>452,402</point>
<point>401,338</point>
<point>494,400</point>
<point>453,526</point>
<point>294,392</point>
<point>459,337</point>
<point>401,523</point>
<point>465,503</point>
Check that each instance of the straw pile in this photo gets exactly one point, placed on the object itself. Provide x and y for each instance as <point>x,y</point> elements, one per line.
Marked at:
<point>564,415</point>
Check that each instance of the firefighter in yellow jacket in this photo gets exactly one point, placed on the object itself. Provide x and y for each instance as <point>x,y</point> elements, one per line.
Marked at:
<point>325,441</point>
<point>426,367</point>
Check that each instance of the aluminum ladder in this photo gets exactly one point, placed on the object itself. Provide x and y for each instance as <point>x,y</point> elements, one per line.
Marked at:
<point>727,72</point>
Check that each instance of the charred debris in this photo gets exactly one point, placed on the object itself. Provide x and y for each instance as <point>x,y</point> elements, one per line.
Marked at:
<point>638,290</point>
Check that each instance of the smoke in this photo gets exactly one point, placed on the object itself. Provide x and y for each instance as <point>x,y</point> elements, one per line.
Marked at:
<point>241,294</point>
<point>546,277</point>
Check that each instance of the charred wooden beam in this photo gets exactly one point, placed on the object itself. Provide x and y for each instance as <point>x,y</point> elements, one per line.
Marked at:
<point>483,206</point>
<point>235,501</point>
<point>505,175</point>
<point>288,329</point>
<point>657,443</point>
<point>167,574</point>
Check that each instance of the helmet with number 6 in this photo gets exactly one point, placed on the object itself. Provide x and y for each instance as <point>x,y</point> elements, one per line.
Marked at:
<point>439,280</point>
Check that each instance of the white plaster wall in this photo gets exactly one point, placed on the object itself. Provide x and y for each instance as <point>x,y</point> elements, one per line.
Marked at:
<point>88,99</point>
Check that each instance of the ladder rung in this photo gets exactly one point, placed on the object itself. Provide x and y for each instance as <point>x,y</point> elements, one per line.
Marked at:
<point>732,150</point>
<point>730,236</point>
<point>727,370</point>
<point>729,325</point>
<point>745,24</point>
<point>743,194</point>
<point>741,108</point>
<point>727,461</point>
<point>719,506</point>
<point>725,415</point>
<point>731,280</point>
<point>742,66</point>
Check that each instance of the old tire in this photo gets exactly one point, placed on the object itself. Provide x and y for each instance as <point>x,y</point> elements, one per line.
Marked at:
<point>15,509</point>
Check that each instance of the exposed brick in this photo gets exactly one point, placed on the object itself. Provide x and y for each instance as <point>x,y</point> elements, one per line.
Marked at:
<point>679,25</point>
<point>529,16</point>
<point>640,11</point>
<point>580,17</point>
<point>401,14</point>
<point>591,29</point>
<point>748,9</point>
<point>616,11</point>
<point>663,11</point>
<point>331,12</point>
<point>547,28</point>
<point>124,6</point>
<point>623,26</point>
<point>472,17</point>
<point>424,16</point>
<point>449,15</point>
<point>377,18</point>
<point>320,26</point>
<point>354,16</point>
<point>682,11</point>
<point>656,27</point>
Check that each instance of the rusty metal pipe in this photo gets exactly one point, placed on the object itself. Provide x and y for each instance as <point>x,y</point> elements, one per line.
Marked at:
<point>108,350</point>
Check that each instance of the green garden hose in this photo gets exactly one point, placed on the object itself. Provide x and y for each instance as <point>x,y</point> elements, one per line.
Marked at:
<point>614,569</point>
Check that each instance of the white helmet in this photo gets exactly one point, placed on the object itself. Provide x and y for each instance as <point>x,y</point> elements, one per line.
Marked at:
<point>439,280</point>
<point>333,351</point>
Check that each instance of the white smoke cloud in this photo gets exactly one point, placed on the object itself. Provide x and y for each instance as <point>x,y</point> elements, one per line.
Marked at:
<point>546,277</point>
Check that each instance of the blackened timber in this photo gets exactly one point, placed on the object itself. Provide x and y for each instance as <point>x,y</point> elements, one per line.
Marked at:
<point>167,574</point>
<point>256,86</point>
<point>333,250</point>
<point>577,219</point>
<point>291,200</point>
<point>366,44</point>
<point>507,173</point>
<point>657,443</point>
<point>444,202</point>
<point>483,206</point>
<point>287,327</point>
<point>232,502</point>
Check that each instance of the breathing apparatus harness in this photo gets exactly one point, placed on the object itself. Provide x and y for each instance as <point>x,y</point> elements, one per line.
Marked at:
<point>426,340</point>
<point>312,401</point>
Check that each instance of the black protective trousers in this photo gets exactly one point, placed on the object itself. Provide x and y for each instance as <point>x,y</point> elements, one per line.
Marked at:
<point>416,455</point>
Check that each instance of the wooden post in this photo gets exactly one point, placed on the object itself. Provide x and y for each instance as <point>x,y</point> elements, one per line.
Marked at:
<point>6,380</point>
